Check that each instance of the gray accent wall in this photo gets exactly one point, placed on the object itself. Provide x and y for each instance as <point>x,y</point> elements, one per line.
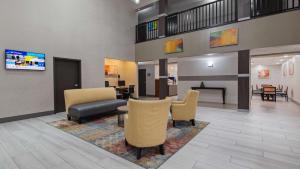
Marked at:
<point>275,30</point>
<point>194,70</point>
<point>209,78</point>
<point>81,29</point>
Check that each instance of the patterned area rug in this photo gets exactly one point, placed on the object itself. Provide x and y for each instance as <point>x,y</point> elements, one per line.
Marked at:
<point>106,134</point>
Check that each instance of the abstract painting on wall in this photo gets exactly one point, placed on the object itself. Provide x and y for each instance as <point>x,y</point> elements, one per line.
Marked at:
<point>291,68</point>
<point>174,46</point>
<point>264,73</point>
<point>226,37</point>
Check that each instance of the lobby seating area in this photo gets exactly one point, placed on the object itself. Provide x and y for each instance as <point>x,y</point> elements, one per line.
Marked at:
<point>146,122</point>
<point>149,84</point>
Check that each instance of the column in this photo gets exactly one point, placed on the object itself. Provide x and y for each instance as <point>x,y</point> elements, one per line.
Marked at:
<point>163,79</point>
<point>244,80</point>
<point>163,4</point>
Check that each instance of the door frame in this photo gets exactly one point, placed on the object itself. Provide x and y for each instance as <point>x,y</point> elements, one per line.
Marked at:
<point>54,81</point>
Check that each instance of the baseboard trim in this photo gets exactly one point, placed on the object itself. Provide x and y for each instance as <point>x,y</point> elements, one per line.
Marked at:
<point>295,101</point>
<point>244,110</point>
<point>25,116</point>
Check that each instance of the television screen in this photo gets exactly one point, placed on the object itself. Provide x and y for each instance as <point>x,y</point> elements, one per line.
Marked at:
<point>24,60</point>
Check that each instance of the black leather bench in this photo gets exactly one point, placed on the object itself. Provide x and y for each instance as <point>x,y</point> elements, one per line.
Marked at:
<point>94,108</point>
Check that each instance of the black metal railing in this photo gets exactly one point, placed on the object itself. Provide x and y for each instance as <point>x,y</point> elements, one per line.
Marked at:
<point>217,13</point>
<point>268,7</point>
<point>213,14</point>
<point>147,31</point>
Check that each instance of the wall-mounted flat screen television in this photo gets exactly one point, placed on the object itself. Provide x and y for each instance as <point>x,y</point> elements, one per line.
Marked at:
<point>20,60</point>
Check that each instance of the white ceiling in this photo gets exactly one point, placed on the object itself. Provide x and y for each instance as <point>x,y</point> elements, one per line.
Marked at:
<point>274,55</point>
<point>276,50</point>
<point>271,60</point>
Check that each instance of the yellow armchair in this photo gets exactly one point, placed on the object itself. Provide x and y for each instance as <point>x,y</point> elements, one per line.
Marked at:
<point>146,124</point>
<point>186,109</point>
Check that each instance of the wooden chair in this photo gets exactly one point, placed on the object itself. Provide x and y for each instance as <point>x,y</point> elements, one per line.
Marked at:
<point>128,94</point>
<point>269,92</point>
<point>284,94</point>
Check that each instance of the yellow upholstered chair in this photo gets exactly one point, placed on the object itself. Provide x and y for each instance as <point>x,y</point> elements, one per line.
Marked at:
<point>185,110</point>
<point>146,124</point>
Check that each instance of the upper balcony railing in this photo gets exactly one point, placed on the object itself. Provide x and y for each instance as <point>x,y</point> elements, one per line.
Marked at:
<point>269,7</point>
<point>147,31</point>
<point>206,16</point>
<point>210,15</point>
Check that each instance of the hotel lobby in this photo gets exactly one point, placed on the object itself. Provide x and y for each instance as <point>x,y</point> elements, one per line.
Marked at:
<point>150,84</point>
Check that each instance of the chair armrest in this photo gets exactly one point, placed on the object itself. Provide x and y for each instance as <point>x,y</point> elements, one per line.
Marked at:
<point>126,119</point>
<point>126,123</point>
<point>178,107</point>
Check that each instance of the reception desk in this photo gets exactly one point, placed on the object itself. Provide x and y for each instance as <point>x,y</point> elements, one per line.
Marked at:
<point>173,90</point>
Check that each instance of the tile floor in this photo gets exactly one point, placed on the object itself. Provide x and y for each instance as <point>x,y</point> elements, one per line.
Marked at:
<point>266,138</point>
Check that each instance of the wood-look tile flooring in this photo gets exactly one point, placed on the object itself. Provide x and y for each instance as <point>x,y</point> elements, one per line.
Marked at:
<point>266,138</point>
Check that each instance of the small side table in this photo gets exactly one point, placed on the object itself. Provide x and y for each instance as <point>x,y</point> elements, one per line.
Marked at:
<point>121,112</point>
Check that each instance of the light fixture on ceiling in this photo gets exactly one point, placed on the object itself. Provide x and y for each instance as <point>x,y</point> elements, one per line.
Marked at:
<point>285,56</point>
<point>136,1</point>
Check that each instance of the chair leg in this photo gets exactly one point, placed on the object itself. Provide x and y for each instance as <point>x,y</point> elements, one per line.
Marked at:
<point>126,143</point>
<point>193,122</point>
<point>161,149</point>
<point>174,123</point>
<point>139,153</point>
<point>69,117</point>
<point>79,121</point>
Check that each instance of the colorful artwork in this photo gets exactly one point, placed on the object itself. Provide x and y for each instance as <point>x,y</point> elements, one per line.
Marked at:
<point>264,73</point>
<point>284,70</point>
<point>152,26</point>
<point>24,60</point>
<point>111,70</point>
<point>174,46</point>
<point>224,38</point>
<point>291,68</point>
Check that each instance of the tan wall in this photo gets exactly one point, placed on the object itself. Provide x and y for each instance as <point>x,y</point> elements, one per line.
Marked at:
<point>276,30</point>
<point>88,30</point>
<point>127,71</point>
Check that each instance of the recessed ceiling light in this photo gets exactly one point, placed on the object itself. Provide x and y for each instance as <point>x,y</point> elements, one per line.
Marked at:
<point>137,1</point>
<point>286,56</point>
<point>210,54</point>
